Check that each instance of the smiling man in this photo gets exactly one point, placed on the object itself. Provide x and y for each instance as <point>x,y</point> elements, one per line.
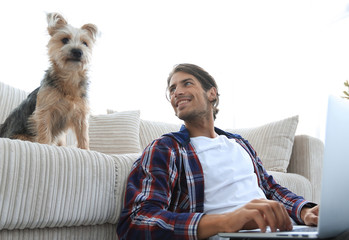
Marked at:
<point>178,188</point>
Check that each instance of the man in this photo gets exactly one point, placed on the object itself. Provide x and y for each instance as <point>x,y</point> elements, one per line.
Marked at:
<point>201,180</point>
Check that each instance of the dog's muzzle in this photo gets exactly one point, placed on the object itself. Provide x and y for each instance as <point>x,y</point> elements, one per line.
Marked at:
<point>75,54</point>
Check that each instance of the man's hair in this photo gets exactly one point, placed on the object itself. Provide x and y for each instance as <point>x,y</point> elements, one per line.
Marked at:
<point>205,79</point>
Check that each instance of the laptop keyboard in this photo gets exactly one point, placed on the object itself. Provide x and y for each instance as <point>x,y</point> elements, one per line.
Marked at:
<point>305,229</point>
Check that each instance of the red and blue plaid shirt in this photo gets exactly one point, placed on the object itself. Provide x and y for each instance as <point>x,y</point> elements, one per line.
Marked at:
<point>165,190</point>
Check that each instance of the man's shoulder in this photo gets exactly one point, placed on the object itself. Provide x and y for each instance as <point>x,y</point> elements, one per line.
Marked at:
<point>166,139</point>
<point>181,137</point>
<point>171,140</point>
<point>159,151</point>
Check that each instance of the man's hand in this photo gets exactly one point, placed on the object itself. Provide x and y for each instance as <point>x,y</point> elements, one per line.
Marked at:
<point>259,213</point>
<point>310,216</point>
<point>270,213</point>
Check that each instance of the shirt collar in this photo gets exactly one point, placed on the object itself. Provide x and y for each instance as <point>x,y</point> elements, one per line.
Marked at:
<point>183,135</point>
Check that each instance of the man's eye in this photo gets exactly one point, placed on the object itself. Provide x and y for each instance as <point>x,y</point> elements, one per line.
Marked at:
<point>65,40</point>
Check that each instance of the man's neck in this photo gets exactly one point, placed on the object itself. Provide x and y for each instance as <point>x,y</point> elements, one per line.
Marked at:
<point>204,128</point>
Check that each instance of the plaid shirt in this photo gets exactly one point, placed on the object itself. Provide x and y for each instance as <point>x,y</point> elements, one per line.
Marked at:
<point>165,190</point>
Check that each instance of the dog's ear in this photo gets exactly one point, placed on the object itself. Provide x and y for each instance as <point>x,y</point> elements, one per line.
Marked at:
<point>55,21</point>
<point>91,29</point>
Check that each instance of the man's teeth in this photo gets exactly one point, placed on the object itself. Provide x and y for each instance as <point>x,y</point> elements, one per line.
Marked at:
<point>182,101</point>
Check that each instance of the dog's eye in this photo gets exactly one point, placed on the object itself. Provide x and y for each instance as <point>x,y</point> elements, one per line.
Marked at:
<point>85,43</point>
<point>65,40</point>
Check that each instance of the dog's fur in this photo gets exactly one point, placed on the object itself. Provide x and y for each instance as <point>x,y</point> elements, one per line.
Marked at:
<point>61,100</point>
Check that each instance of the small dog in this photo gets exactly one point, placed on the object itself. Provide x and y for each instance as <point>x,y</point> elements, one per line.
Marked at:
<point>61,101</point>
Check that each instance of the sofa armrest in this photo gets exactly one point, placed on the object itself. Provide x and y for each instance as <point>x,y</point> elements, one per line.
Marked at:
<point>306,160</point>
<point>50,186</point>
<point>294,182</point>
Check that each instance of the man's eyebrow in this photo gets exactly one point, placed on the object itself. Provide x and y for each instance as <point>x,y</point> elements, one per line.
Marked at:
<point>182,81</point>
<point>187,79</point>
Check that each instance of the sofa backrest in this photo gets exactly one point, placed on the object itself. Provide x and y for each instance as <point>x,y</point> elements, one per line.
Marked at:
<point>125,132</point>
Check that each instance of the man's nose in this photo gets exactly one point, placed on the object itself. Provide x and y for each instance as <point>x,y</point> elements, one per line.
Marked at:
<point>178,91</point>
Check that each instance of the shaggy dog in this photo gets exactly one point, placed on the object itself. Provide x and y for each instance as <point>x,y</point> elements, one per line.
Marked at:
<point>61,100</point>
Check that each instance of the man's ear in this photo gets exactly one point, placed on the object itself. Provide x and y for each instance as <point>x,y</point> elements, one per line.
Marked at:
<point>212,94</point>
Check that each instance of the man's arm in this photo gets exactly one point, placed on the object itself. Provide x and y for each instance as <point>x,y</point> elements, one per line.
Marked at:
<point>259,213</point>
<point>149,196</point>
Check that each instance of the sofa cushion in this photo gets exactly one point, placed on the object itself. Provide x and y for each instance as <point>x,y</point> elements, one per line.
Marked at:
<point>115,133</point>
<point>151,130</point>
<point>10,98</point>
<point>273,142</point>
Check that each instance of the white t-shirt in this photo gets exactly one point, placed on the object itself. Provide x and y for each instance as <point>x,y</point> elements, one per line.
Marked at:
<point>229,177</point>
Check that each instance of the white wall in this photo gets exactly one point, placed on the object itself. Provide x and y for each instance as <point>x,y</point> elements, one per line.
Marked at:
<point>271,59</point>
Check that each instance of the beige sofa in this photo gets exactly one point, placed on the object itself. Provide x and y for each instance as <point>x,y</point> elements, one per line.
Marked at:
<point>50,192</point>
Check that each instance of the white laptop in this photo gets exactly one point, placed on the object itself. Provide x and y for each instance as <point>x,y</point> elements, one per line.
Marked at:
<point>334,207</point>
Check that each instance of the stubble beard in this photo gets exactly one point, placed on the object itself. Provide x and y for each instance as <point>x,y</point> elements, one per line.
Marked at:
<point>196,114</point>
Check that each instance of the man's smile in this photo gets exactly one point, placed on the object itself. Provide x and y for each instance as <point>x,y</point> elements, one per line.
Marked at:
<point>182,102</point>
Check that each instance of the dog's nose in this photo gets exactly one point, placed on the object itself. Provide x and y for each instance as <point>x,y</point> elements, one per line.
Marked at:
<point>76,53</point>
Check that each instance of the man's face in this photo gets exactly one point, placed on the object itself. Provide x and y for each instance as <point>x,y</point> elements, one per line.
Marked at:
<point>188,99</point>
